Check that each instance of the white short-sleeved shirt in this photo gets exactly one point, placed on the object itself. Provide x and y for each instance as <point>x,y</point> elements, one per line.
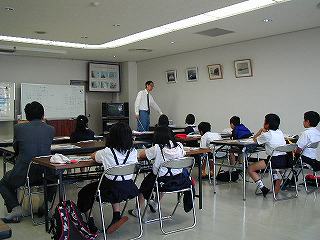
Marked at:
<point>168,153</point>
<point>106,157</point>
<point>271,140</point>
<point>310,135</point>
<point>209,137</point>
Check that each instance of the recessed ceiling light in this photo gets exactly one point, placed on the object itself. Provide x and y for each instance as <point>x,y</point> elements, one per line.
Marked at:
<point>94,4</point>
<point>114,56</point>
<point>267,20</point>
<point>173,42</point>
<point>10,9</point>
<point>40,32</point>
<point>116,25</point>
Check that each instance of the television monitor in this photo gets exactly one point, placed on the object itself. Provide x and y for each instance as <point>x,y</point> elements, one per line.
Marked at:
<point>115,110</point>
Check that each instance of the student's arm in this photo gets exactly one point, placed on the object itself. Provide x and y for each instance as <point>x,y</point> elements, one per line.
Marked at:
<point>136,104</point>
<point>302,143</point>
<point>93,156</point>
<point>262,130</point>
<point>155,105</point>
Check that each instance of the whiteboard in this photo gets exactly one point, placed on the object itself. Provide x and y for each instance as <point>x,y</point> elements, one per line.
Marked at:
<point>59,101</point>
<point>7,97</point>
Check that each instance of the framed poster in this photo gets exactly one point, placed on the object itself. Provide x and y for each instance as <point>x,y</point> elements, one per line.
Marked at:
<point>215,71</point>
<point>242,68</point>
<point>104,77</point>
<point>171,76</point>
<point>192,74</point>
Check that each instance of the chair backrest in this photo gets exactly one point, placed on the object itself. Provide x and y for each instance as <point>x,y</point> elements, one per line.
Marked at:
<point>122,170</point>
<point>185,162</point>
<point>285,148</point>
<point>312,145</point>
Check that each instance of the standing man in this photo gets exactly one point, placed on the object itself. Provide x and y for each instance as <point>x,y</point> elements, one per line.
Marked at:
<point>142,107</point>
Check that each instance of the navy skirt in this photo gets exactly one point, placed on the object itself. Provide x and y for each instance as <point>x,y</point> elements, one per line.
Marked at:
<point>111,191</point>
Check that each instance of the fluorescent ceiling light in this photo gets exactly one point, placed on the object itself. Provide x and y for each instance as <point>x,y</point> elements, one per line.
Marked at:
<point>29,49</point>
<point>232,10</point>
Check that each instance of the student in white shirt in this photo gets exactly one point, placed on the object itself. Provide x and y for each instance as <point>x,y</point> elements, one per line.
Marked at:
<point>165,148</point>
<point>114,189</point>
<point>206,138</point>
<point>271,137</point>
<point>310,135</point>
<point>142,106</point>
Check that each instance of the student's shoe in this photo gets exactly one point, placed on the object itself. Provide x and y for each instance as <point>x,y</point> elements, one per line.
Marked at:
<point>277,186</point>
<point>92,226</point>
<point>265,191</point>
<point>14,216</point>
<point>116,224</point>
<point>134,212</point>
<point>153,206</point>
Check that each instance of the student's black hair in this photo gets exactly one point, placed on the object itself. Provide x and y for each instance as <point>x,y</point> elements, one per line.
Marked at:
<point>204,127</point>
<point>163,120</point>
<point>235,120</point>
<point>163,135</point>
<point>273,120</point>
<point>313,117</point>
<point>148,83</point>
<point>190,119</point>
<point>120,137</point>
<point>34,111</point>
<point>82,123</point>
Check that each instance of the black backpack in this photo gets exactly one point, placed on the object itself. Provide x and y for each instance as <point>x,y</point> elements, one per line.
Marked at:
<point>225,176</point>
<point>67,223</point>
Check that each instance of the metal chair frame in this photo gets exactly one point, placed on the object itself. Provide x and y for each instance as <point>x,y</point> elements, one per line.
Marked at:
<point>288,148</point>
<point>119,170</point>
<point>185,162</point>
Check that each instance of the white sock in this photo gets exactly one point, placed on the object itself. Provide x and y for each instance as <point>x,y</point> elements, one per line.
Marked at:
<point>276,175</point>
<point>260,183</point>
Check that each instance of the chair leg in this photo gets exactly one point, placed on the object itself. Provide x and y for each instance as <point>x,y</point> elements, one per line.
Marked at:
<point>102,216</point>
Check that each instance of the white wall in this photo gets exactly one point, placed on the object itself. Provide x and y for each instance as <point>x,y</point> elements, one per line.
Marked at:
<point>20,69</point>
<point>285,81</point>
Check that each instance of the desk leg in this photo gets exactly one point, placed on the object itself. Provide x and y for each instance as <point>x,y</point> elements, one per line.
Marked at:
<point>4,159</point>
<point>45,199</point>
<point>61,198</point>
<point>244,153</point>
<point>200,181</point>
<point>214,169</point>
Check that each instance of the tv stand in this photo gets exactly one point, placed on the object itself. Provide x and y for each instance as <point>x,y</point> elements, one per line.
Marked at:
<point>107,122</point>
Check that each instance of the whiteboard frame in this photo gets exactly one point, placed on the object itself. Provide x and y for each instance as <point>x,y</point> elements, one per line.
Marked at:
<point>56,118</point>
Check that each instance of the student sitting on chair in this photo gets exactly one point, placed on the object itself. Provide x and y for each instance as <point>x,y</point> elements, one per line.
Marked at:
<point>272,137</point>
<point>239,131</point>
<point>310,135</point>
<point>31,139</point>
<point>82,132</point>
<point>190,122</point>
<point>165,148</point>
<point>206,138</point>
<point>113,189</point>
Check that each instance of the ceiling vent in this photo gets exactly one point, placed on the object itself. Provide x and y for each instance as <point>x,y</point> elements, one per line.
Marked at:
<point>140,50</point>
<point>6,50</point>
<point>215,32</point>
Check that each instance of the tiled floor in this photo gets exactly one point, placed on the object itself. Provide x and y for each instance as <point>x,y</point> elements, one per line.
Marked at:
<point>225,216</point>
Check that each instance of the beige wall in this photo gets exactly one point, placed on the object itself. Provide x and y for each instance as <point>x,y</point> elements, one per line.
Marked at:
<point>285,81</point>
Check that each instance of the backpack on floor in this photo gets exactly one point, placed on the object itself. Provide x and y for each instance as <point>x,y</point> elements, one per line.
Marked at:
<point>67,223</point>
<point>224,176</point>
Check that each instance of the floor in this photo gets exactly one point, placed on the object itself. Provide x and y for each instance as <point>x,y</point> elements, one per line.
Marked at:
<point>224,216</point>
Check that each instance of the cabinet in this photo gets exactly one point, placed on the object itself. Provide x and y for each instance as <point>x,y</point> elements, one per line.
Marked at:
<point>107,122</point>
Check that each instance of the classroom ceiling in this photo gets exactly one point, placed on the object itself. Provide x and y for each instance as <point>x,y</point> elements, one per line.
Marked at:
<point>99,21</point>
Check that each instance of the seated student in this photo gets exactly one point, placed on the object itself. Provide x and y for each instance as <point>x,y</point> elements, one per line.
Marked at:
<point>310,135</point>
<point>271,136</point>
<point>239,131</point>
<point>31,139</point>
<point>165,148</point>
<point>113,189</point>
<point>190,122</point>
<point>163,121</point>
<point>206,137</point>
<point>82,132</point>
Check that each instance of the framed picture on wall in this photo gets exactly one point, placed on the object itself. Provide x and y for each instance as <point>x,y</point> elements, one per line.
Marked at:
<point>243,68</point>
<point>171,76</point>
<point>215,71</point>
<point>192,74</point>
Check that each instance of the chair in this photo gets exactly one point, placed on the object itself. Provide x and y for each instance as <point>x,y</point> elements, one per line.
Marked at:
<point>288,148</point>
<point>29,190</point>
<point>187,163</point>
<point>302,165</point>
<point>120,170</point>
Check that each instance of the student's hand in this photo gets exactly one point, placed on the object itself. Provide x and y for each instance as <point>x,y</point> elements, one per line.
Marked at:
<point>93,156</point>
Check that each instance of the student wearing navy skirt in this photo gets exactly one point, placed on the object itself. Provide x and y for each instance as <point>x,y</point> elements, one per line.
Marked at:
<point>114,189</point>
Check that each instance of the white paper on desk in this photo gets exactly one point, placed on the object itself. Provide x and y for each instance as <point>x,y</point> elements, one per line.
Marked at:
<point>59,158</point>
<point>248,140</point>
<point>141,133</point>
<point>194,135</point>
<point>80,158</point>
<point>86,141</point>
<point>63,146</point>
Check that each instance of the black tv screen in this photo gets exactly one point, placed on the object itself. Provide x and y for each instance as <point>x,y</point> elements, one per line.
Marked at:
<point>115,110</point>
